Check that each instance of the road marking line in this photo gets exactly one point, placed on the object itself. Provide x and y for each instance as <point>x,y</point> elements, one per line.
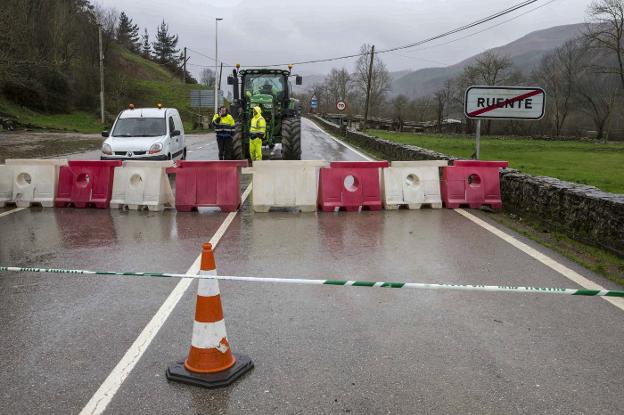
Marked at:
<point>359,153</point>
<point>8,212</point>
<point>543,258</point>
<point>107,390</point>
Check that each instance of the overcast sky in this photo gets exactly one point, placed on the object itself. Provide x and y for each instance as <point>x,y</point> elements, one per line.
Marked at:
<point>258,32</point>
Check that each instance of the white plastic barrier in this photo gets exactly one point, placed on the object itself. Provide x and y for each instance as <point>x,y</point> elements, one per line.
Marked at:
<point>285,184</point>
<point>34,181</point>
<point>142,184</point>
<point>412,183</point>
<point>5,185</point>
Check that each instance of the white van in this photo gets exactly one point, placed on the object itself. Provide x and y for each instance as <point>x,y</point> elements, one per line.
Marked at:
<point>145,134</point>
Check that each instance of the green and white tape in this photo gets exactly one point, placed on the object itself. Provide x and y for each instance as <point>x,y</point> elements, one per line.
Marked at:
<point>343,283</point>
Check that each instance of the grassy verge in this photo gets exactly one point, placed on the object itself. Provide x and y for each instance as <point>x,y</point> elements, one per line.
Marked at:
<point>590,257</point>
<point>596,164</point>
<point>79,121</point>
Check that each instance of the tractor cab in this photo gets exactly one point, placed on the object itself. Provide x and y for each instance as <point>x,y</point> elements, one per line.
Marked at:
<point>270,90</point>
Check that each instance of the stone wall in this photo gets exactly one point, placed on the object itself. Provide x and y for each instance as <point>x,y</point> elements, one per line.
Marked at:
<point>582,212</point>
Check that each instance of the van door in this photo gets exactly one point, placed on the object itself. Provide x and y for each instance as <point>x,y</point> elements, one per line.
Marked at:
<point>174,142</point>
<point>180,127</point>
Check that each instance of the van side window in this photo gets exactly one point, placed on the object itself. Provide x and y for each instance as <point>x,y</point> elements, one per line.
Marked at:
<point>171,125</point>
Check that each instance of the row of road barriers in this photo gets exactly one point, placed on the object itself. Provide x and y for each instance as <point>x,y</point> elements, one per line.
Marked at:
<point>306,185</point>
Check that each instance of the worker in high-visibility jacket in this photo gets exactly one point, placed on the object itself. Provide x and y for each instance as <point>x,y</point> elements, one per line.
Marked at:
<point>257,131</point>
<point>224,126</point>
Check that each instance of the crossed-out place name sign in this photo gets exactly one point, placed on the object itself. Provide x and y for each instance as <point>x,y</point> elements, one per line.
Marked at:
<point>504,102</point>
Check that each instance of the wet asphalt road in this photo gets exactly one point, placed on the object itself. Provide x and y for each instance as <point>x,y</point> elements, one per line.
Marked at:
<point>316,349</point>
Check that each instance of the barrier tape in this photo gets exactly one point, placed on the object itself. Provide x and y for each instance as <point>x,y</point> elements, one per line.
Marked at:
<point>344,283</point>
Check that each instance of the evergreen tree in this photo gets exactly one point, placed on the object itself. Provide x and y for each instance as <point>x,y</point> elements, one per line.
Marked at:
<point>146,46</point>
<point>128,33</point>
<point>165,46</point>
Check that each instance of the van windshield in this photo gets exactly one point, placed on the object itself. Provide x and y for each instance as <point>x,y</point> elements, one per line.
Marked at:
<point>140,127</point>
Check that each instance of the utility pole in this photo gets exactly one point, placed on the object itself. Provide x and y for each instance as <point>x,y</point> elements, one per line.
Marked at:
<point>368,86</point>
<point>220,72</point>
<point>101,74</point>
<point>216,84</point>
<point>184,67</point>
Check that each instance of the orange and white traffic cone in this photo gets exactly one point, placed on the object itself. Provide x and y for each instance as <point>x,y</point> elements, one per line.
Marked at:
<point>210,362</point>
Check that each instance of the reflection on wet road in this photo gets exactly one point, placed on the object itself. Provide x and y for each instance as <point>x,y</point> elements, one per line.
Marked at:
<point>316,349</point>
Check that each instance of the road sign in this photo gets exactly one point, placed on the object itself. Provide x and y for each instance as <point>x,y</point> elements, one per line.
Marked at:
<point>504,102</point>
<point>204,98</point>
<point>313,103</point>
<point>341,105</point>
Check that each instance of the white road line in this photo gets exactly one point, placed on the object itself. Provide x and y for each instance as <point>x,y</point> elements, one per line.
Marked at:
<point>8,212</point>
<point>103,396</point>
<point>544,259</point>
<point>358,152</point>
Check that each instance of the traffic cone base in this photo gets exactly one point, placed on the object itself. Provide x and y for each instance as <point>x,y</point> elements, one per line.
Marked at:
<point>178,372</point>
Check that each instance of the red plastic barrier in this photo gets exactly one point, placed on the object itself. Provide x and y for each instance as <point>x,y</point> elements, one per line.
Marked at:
<point>350,185</point>
<point>473,183</point>
<point>84,183</point>
<point>208,183</point>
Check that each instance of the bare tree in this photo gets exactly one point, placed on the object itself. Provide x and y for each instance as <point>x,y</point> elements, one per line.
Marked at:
<point>492,69</point>
<point>338,83</point>
<point>599,94</point>
<point>607,32</point>
<point>380,80</point>
<point>422,108</point>
<point>488,69</point>
<point>207,77</point>
<point>558,73</point>
<point>442,99</point>
<point>400,107</point>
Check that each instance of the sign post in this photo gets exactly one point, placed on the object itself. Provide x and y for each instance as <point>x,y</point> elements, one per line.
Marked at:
<point>478,139</point>
<point>502,103</point>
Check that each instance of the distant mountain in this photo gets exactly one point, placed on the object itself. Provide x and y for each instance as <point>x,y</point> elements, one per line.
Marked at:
<point>525,54</point>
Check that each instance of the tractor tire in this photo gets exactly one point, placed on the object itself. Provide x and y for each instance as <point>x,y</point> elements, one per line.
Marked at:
<point>238,149</point>
<point>291,139</point>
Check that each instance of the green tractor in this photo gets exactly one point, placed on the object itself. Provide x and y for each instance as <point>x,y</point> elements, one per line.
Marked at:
<point>269,89</point>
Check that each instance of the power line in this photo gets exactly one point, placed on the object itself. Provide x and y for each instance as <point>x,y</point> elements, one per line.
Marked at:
<point>463,28</point>
<point>480,31</point>
<point>418,43</point>
<point>211,58</point>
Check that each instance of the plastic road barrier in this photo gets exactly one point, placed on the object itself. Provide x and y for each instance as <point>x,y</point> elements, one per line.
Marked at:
<point>5,185</point>
<point>473,183</point>
<point>412,183</point>
<point>350,185</point>
<point>142,184</point>
<point>208,183</point>
<point>285,184</point>
<point>84,183</point>
<point>34,181</point>
<point>210,362</point>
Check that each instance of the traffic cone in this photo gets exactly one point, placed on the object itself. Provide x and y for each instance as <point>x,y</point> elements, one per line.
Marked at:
<point>210,362</point>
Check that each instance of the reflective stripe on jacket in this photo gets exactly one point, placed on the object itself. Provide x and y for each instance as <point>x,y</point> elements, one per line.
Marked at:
<point>258,124</point>
<point>224,126</point>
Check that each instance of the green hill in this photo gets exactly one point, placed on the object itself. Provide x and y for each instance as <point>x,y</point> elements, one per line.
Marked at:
<point>133,79</point>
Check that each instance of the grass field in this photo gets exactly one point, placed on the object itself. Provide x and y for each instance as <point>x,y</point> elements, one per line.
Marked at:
<point>600,165</point>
